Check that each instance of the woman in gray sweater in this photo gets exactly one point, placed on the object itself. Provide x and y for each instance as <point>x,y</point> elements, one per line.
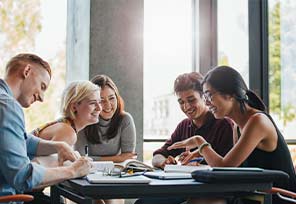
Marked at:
<point>113,138</point>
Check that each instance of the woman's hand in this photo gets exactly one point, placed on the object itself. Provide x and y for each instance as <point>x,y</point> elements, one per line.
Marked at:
<point>128,155</point>
<point>186,156</point>
<point>186,160</point>
<point>189,143</point>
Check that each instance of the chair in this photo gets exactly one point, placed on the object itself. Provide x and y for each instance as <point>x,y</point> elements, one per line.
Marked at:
<point>283,194</point>
<point>17,197</point>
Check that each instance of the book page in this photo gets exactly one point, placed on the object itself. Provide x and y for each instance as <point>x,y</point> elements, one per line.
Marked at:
<point>134,164</point>
<point>185,168</point>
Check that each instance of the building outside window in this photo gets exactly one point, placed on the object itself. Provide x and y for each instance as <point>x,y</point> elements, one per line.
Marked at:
<point>233,35</point>
<point>167,53</point>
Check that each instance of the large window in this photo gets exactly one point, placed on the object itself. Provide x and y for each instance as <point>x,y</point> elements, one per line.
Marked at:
<point>233,35</point>
<point>39,27</point>
<point>282,60</point>
<point>282,71</point>
<point>167,53</point>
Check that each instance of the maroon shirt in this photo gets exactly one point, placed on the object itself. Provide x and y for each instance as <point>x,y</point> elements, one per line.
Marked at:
<point>217,132</point>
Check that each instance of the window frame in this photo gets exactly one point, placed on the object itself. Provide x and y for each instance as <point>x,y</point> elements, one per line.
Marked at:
<point>258,45</point>
<point>204,50</point>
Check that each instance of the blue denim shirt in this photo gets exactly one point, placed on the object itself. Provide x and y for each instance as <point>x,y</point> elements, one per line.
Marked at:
<point>17,173</point>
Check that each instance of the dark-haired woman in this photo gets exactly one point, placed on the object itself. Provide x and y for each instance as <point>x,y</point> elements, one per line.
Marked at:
<point>258,142</point>
<point>113,138</point>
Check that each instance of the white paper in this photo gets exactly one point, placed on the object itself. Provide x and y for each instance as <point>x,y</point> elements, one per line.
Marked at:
<point>102,166</point>
<point>185,168</point>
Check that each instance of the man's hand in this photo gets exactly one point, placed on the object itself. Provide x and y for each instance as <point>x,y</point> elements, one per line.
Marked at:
<point>169,160</point>
<point>81,167</point>
<point>65,152</point>
<point>184,155</point>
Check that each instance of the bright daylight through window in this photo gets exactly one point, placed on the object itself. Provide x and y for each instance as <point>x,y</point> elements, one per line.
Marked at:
<point>282,72</point>
<point>167,53</point>
<point>42,30</point>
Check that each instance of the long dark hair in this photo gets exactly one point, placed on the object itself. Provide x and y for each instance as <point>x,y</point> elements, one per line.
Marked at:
<point>103,81</point>
<point>227,80</point>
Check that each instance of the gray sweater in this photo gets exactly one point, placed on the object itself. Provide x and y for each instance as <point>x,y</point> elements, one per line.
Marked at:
<point>124,141</point>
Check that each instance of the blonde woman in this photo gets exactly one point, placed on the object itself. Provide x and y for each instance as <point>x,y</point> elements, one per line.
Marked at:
<point>80,106</point>
<point>113,138</point>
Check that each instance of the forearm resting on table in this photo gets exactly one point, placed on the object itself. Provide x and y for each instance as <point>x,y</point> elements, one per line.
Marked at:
<point>118,158</point>
<point>56,175</point>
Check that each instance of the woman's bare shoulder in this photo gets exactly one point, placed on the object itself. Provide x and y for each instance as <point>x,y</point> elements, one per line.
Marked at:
<point>260,119</point>
<point>260,122</point>
<point>64,132</point>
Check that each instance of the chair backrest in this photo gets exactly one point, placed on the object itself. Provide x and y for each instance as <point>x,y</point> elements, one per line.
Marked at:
<point>17,197</point>
<point>283,194</point>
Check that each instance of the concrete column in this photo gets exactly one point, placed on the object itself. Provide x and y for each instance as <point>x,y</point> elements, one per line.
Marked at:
<point>115,48</point>
<point>77,46</point>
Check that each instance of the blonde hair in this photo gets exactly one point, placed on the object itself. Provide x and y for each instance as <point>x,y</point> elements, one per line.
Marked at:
<point>75,92</point>
<point>22,59</point>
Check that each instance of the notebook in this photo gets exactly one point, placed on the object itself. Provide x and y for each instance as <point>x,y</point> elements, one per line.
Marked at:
<point>100,178</point>
<point>167,175</point>
<point>185,168</point>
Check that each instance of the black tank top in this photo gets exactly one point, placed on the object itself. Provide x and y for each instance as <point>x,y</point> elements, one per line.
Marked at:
<point>279,159</point>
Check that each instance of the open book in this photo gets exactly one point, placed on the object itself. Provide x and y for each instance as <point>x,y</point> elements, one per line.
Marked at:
<point>134,165</point>
<point>185,168</point>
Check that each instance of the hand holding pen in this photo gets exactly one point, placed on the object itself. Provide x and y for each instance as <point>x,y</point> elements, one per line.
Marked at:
<point>184,155</point>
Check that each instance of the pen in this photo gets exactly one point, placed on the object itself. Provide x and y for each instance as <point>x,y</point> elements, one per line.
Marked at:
<point>86,150</point>
<point>198,159</point>
<point>130,175</point>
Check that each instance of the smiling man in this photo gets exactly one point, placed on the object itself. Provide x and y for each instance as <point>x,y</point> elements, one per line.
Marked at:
<point>26,79</point>
<point>199,121</point>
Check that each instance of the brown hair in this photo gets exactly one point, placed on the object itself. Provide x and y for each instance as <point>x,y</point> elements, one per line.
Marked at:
<point>23,58</point>
<point>103,81</point>
<point>188,81</point>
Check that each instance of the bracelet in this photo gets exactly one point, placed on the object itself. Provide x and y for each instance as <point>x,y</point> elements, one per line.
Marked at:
<point>203,145</point>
